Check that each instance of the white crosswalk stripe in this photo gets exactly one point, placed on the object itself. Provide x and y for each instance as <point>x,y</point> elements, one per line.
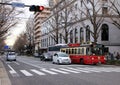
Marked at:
<point>26,73</point>
<point>92,69</point>
<point>68,70</point>
<point>47,71</point>
<point>59,71</point>
<point>82,70</point>
<point>37,72</point>
<point>72,71</point>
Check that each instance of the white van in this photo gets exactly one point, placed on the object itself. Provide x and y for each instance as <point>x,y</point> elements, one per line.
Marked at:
<point>61,58</point>
<point>11,56</point>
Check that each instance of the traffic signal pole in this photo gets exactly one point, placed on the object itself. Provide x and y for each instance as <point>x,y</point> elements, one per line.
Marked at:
<point>34,8</point>
<point>12,4</point>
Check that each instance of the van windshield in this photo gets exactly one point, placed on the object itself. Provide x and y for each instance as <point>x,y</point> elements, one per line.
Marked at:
<point>11,53</point>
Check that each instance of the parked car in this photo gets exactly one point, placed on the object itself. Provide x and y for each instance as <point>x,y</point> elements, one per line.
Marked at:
<point>46,56</point>
<point>61,58</point>
<point>11,56</point>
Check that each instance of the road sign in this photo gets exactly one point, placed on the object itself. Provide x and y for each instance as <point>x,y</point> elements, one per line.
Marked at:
<point>14,4</point>
<point>6,47</point>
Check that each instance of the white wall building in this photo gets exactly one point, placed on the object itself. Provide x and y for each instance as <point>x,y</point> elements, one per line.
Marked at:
<point>79,25</point>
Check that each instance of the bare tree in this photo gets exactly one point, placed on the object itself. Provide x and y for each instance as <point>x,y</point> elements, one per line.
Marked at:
<point>91,12</point>
<point>60,21</point>
<point>54,25</point>
<point>29,33</point>
<point>115,12</point>
<point>2,44</point>
<point>7,19</point>
<point>67,17</point>
<point>20,43</point>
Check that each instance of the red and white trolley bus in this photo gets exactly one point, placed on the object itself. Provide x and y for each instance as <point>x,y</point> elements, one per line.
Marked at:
<point>86,53</point>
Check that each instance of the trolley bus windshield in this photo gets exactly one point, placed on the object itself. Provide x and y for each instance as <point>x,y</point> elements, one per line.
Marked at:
<point>97,51</point>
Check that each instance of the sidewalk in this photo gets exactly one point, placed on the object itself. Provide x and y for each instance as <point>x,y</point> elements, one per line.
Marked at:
<point>4,79</point>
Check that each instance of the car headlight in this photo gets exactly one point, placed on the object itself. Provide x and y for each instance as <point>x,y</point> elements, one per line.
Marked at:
<point>92,58</point>
<point>98,58</point>
<point>105,58</point>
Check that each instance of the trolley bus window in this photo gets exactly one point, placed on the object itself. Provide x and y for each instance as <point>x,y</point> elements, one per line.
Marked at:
<point>67,51</point>
<point>82,50</point>
<point>75,51</point>
<point>62,50</point>
<point>72,51</point>
<point>78,50</point>
<point>88,51</point>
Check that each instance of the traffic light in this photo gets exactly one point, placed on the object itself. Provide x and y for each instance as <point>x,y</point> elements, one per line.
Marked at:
<point>36,8</point>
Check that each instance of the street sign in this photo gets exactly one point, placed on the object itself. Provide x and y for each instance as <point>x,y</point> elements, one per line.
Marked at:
<point>14,4</point>
<point>6,47</point>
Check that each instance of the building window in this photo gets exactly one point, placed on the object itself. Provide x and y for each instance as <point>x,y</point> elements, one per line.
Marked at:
<point>81,3</point>
<point>81,35</point>
<point>105,0</point>
<point>71,36</point>
<point>104,10</point>
<point>105,32</point>
<point>87,33</point>
<point>76,35</point>
<point>87,1</point>
<point>49,41</point>
<point>60,38</point>
<point>76,5</point>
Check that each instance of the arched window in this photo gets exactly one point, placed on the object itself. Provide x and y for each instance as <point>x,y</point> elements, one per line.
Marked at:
<point>87,33</point>
<point>105,32</point>
<point>81,34</point>
<point>76,35</point>
<point>71,36</point>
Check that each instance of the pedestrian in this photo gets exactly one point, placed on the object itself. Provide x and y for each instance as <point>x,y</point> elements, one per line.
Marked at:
<point>118,56</point>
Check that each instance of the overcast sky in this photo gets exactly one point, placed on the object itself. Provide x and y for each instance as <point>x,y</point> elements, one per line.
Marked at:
<point>20,27</point>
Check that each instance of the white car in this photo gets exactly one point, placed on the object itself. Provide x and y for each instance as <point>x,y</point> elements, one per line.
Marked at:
<point>11,56</point>
<point>61,58</point>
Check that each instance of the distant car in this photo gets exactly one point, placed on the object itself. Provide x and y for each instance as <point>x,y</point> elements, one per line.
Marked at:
<point>11,56</point>
<point>61,58</point>
<point>45,56</point>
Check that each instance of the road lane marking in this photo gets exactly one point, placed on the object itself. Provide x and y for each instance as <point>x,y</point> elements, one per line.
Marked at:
<point>31,64</point>
<point>16,63</point>
<point>26,73</point>
<point>56,70</point>
<point>37,72</point>
<point>47,71</point>
<point>109,69</point>
<point>69,70</point>
<point>83,70</point>
<point>12,71</point>
<point>92,69</point>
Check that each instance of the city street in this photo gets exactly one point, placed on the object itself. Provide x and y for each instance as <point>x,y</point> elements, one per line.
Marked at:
<point>32,71</point>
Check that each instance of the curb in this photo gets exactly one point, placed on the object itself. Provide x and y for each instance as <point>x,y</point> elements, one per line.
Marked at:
<point>4,79</point>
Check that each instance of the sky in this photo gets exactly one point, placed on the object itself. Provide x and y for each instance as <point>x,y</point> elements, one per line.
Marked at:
<point>15,31</point>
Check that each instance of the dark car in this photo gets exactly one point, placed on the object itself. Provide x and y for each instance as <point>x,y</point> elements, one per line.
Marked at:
<point>46,56</point>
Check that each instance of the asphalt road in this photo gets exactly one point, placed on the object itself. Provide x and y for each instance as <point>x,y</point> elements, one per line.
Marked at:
<point>32,71</point>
